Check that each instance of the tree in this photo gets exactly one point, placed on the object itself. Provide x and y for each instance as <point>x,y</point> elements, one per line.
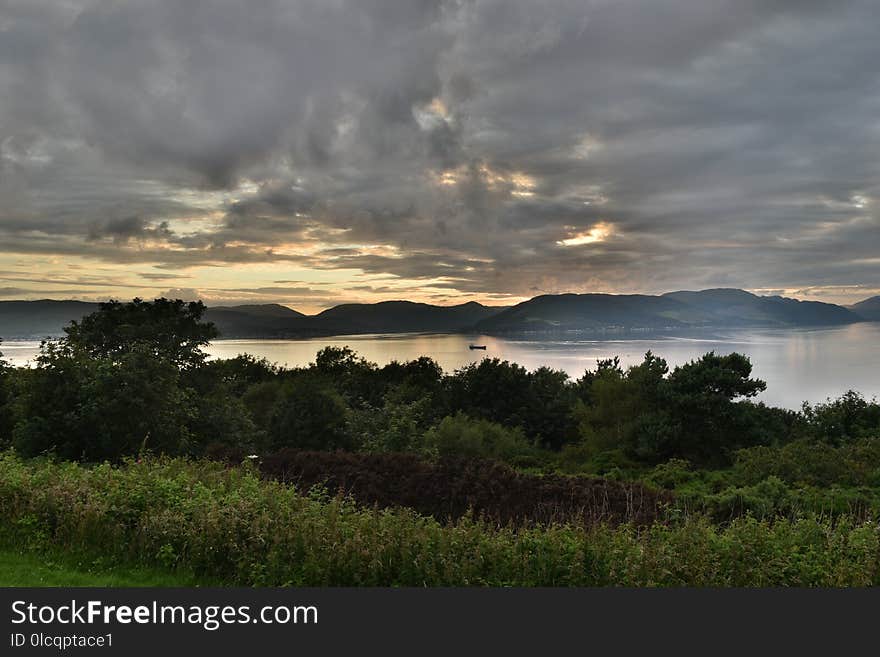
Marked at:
<point>583,385</point>
<point>843,420</point>
<point>353,376</point>
<point>708,419</point>
<point>310,416</point>
<point>715,377</point>
<point>616,404</point>
<point>81,407</point>
<point>236,374</point>
<point>492,389</point>
<point>168,330</point>
<point>548,418</point>
<point>698,412</point>
<point>5,401</point>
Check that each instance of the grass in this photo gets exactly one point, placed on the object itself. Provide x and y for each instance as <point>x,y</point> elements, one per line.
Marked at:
<point>19,568</point>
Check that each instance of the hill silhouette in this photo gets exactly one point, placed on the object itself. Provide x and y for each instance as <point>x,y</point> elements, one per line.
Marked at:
<point>674,311</point>
<point>868,309</point>
<point>401,316</point>
<point>744,308</point>
<point>46,318</point>
<point>35,320</point>
<point>264,321</point>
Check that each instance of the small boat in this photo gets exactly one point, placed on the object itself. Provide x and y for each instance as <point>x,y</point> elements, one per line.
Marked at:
<point>477,346</point>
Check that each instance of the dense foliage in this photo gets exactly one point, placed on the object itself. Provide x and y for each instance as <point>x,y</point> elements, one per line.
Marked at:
<point>231,526</point>
<point>133,377</point>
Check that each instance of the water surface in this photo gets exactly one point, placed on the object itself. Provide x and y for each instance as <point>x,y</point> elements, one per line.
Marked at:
<point>797,364</point>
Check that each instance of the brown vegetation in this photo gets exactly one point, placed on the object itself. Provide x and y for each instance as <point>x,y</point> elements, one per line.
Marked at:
<point>451,487</point>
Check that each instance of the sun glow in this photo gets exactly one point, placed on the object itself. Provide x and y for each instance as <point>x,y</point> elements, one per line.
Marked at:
<point>516,183</point>
<point>598,233</point>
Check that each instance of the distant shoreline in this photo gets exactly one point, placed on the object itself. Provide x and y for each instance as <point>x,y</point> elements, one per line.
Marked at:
<point>612,332</point>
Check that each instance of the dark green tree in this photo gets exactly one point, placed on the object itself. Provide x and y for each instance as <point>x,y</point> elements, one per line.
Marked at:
<point>843,420</point>
<point>170,330</point>
<point>708,417</point>
<point>310,415</point>
<point>358,380</point>
<point>617,404</point>
<point>492,389</point>
<point>6,373</point>
<point>237,374</point>
<point>549,418</point>
<point>81,407</point>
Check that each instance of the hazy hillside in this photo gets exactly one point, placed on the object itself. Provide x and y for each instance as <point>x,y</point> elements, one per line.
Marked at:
<point>675,310</point>
<point>401,316</point>
<point>568,312</point>
<point>262,310</point>
<point>263,321</point>
<point>39,319</point>
<point>730,306</point>
<point>868,309</point>
<point>562,312</point>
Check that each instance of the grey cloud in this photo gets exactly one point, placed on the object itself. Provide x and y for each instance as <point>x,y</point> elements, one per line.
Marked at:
<point>725,142</point>
<point>152,276</point>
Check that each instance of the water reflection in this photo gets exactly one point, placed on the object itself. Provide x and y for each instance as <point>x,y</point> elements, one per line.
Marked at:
<point>798,365</point>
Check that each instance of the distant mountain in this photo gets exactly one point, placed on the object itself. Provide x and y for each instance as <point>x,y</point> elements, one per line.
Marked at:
<point>730,306</point>
<point>273,321</point>
<point>35,320</point>
<point>40,319</point>
<point>575,312</point>
<point>262,310</point>
<point>401,317</point>
<point>264,321</point>
<point>675,311</point>
<point>672,311</point>
<point>868,309</point>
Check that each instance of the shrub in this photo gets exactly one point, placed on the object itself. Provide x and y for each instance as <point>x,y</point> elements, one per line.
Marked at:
<point>460,435</point>
<point>394,427</point>
<point>450,488</point>
<point>847,418</point>
<point>814,464</point>
<point>230,526</point>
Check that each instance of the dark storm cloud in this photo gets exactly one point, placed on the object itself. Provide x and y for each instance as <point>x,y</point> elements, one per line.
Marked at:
<point>462,143</point>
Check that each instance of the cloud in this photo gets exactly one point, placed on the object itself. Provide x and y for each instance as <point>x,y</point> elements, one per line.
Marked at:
<point>185,293</point>
<point>473,148</point>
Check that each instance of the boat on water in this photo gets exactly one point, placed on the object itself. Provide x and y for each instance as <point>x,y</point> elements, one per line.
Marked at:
<point>477,346</point>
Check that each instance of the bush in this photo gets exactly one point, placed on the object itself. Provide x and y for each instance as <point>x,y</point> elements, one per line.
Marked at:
<point>230,526</point>
<point>450,488</point>
<point>813,464</point>
<point>460,435</point>
<point>847,418</point>
<point>673,473</point>
<point>397,426</point>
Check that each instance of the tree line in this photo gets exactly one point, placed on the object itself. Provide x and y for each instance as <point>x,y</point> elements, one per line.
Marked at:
<point>134,378</point>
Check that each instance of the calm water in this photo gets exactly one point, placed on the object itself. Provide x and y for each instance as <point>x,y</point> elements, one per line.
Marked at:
<point>798,365</point>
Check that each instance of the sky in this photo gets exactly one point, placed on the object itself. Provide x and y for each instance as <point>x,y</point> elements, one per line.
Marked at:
<point>317,152</point>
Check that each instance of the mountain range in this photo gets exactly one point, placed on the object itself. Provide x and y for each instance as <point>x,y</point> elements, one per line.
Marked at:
<point>719,308</point>
<point>674,311</point>
<point>868,309</point>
